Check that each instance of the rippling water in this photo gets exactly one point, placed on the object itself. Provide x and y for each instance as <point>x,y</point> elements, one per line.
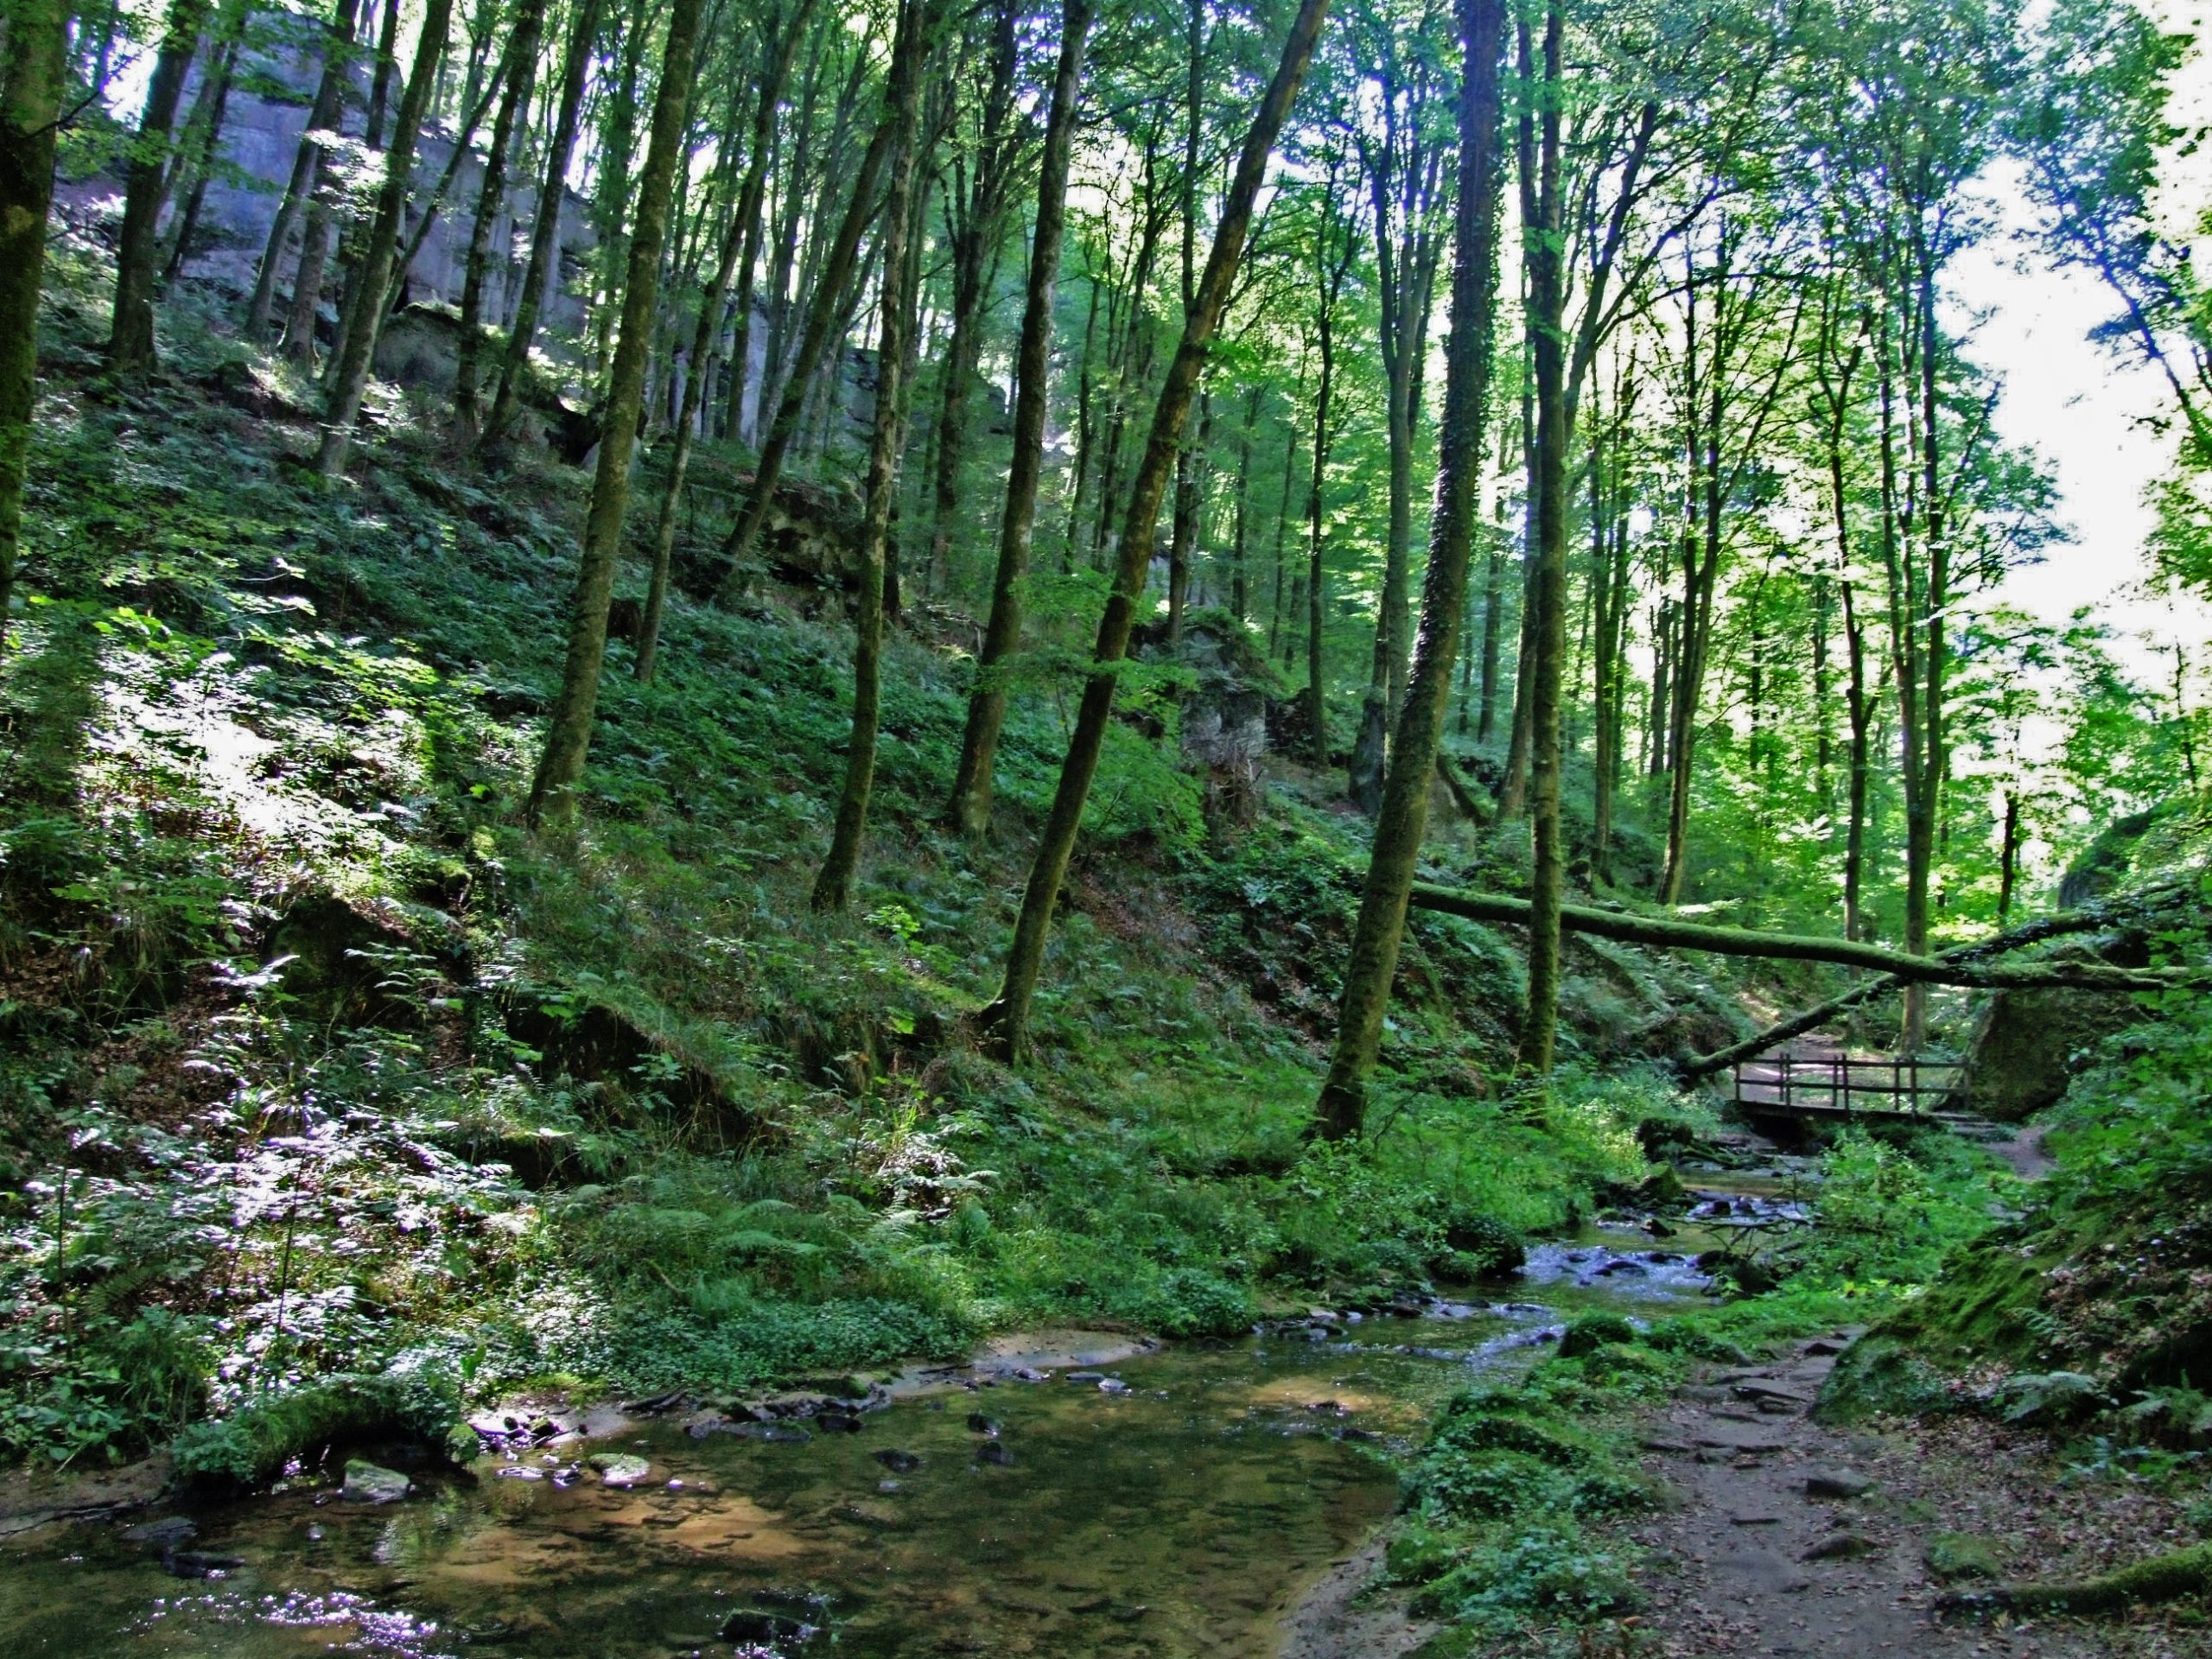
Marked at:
<point>1183,1517</point>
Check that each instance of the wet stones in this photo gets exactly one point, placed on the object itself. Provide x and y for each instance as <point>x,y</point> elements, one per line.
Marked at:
<point>977,1423</point>
<point>370,1483</point>
<point>618,1468</point>
<point>996,1453</point>
<point>899,1462</point>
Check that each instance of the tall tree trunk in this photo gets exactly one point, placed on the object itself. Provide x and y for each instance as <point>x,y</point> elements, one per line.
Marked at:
<point>977,227</point>
<point>542,272</point>
<point>31,85</point>
<point>823,313</point>
<point>1376,936</point>
<point>322,114</point>
<point>833,886</point>
<point>349,376</point>
<point>1548,871</point>
<point>567,737</point>
<point>742,234</point>
<point>201,142</point>
<point>969,811</point>
<point>131,353</point>
<point>1240,577</point>
<point>490,201</point>
<point>1329,287</point>
<point>1008,1017</point>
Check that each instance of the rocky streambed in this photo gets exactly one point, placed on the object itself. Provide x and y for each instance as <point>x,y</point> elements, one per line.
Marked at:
<point>1072,1494</point>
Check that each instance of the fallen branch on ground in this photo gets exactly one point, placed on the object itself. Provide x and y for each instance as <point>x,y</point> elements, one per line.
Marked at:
<point>2163,1577</point>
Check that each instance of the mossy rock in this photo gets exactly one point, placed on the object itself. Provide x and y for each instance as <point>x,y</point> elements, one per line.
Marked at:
<point>1954,1556</point>
<point>1877,1373</point>
<point>1486,1247</point>
<point>1592,1332</point>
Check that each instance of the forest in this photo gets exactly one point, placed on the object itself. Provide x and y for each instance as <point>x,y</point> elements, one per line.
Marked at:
<point>1127,827</point>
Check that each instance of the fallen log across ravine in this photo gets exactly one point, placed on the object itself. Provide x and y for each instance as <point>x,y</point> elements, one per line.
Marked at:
<point>1905,968</point>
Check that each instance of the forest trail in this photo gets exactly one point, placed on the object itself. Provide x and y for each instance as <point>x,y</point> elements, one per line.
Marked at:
<point>1787,1537</point>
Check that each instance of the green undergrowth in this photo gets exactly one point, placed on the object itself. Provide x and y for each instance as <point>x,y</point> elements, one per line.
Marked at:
<point>314,1065</point>
<point>1508,1533</point>
<point>2094,1305</point>
<point>1507,1508</point>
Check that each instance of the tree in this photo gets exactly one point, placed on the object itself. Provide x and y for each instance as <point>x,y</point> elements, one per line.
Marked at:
<point>546,230</point>
<point>969,811</point>
<point>518,75</point>
<point>1469,350</point>
<point>833,886</point>
<point>131,354</point>
<point>1008,1017</point>
<point>1546,635</point>
<point>322,114</point>
<point>348,380</point>
<point>561,766</point>
<point>31,85</point>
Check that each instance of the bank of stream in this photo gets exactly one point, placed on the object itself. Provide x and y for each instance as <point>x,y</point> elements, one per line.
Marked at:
<point>1069,1497</point>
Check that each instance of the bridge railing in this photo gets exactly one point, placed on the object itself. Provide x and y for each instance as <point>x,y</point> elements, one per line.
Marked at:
<point>1903,1085</point>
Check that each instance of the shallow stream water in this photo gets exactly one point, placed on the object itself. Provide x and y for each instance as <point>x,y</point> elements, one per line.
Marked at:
<point>1184,1515</point>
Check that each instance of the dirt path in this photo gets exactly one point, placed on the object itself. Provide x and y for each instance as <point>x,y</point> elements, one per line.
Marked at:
<point>1782,1538</point>
<point>1791,1538</point>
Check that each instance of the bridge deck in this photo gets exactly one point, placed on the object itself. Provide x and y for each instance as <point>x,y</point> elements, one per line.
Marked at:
<point>1827,1084</point>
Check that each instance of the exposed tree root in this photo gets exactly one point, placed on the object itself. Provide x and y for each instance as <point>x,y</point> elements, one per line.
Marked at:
<point>2163,1577</point>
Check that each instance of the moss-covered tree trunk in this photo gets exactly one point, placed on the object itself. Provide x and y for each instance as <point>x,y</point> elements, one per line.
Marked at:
<point>519,78</point>
<point>322,114</point>
<point>539,273</point>
<point>1008,1017</point>
<point>1469,351</point>
<point>833,886</point>
<point>567,737</point>
<point>30,108</point>
<point>130,334</point>
<point>1548,635</point>
<point>348,380</point>
<point>969,811</point>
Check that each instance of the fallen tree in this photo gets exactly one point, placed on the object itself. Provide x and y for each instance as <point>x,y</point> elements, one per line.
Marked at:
<point>1952,969</point>
<point>1812,1019</point>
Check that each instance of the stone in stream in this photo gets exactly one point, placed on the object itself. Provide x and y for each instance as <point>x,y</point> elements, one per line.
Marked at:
<point>519,1472</point>
<point>1112,1385</point>
<point>785,1433</point>
<point>983,1424</point>
<point>619,1468</point>
<point>1837,1483</point>
<point>774,1629</point>
<point>1031,1374</point>
<point>370,1483</point>
<point>165,1533</point>
<point>993,1452</point>
<point>198,1564</point>
<point>837,1423</point>
<point>1086,1376</point>
<point>898,1462</point>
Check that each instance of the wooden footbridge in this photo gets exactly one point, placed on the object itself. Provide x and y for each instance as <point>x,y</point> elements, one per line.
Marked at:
<point>1817,1084</point>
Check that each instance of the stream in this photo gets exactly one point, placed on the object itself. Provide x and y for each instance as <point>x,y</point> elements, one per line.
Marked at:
<point>1057,1499</point>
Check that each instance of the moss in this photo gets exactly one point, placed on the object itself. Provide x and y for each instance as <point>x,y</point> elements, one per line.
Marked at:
<point>259,1441</point>
<point>2163,1577</point>
<point>1586,1334</point>
<point>1879,1374</point>
<point>1952,1556</point>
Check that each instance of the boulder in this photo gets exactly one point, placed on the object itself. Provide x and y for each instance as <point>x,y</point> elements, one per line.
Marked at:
<point>371,1483</point>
